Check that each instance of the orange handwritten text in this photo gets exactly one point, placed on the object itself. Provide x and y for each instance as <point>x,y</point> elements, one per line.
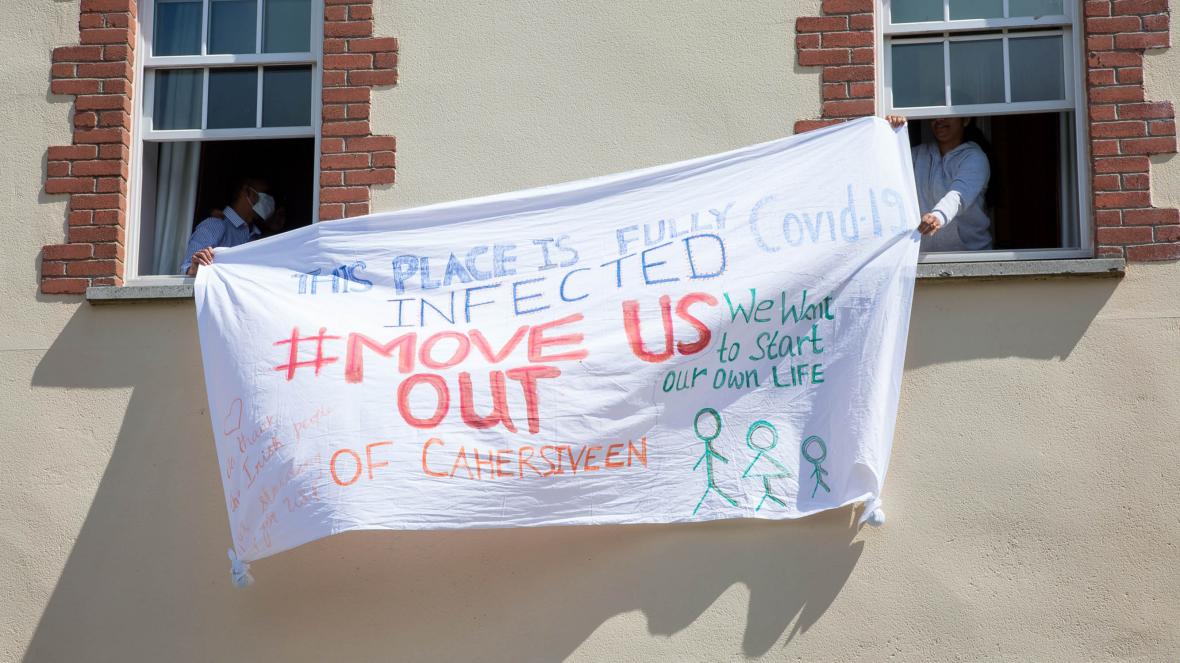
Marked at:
<point>347,466</point>
<point>301,427</point>
<point>529,460</point>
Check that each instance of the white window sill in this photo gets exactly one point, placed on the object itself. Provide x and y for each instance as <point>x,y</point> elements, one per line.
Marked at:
<point>140,292</point>
<point>938,271</point>
<point>1034,269</point>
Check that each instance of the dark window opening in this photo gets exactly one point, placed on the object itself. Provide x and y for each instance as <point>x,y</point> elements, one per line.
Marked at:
<point>1033,185</point>
<point>187,182</point>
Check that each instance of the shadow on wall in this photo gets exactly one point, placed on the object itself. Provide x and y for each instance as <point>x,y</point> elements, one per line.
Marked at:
<point>147,577</point>
<point>1032,319</point>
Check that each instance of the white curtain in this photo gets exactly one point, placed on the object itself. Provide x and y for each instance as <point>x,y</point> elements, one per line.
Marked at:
<point>178,106</point>
<point>176,198</point>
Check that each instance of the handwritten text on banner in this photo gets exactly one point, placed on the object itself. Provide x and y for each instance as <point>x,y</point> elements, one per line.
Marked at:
<point>718,338</point>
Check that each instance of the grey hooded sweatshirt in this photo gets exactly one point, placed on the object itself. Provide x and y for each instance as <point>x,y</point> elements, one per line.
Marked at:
<point>952,185</point>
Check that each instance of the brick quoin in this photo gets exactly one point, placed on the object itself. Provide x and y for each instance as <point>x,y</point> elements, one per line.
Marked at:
<point>841,43</point>
<point>1125,127</point>
<point>352,159</point>
<point>93,170</point>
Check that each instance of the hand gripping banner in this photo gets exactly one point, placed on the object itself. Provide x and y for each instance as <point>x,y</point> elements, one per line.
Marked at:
<point>717,338</point>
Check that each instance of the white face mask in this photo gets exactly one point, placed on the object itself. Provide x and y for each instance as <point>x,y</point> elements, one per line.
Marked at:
<point>265,205</point>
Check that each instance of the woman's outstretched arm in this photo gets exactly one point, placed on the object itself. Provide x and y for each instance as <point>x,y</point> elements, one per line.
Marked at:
<point>970,179</point>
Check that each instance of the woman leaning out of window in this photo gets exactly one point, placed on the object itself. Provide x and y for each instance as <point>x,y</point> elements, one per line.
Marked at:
<point>951,174</point>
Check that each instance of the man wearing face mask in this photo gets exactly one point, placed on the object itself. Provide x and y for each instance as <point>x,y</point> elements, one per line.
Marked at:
<point>238,224</point>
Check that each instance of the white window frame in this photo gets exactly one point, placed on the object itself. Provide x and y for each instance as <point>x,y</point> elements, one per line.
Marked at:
<point>143,131</point>
<point>1074,78</point>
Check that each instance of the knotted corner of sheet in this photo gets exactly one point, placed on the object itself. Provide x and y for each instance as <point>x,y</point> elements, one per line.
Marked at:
<point>873,514</point>
<point>239,571</point>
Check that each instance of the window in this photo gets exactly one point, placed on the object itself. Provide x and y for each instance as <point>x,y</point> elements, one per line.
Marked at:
<point>231,89</point>
<point>1014,67</point>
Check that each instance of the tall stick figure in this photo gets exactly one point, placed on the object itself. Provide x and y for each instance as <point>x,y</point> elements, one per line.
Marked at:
<point>765,452</point>
<point>817,462</point>
<point>708,456</point>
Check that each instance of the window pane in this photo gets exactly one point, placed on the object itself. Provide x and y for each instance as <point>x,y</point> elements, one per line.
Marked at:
<point>977,9</point>
<point>1035,7</point>
<point>286,27</point>
<point>178,99</point>
<point>232,26</point>
<point>977,72</point>
<point>178,28</point>
<point>914,11</point>
<point>1038,69</point>
<point>918,75</point>
<point>233,98</point>
<point>286,97</point>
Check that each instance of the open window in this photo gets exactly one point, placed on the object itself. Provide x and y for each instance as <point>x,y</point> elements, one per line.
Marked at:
<point>1013,66</point>
<point>231,90</point>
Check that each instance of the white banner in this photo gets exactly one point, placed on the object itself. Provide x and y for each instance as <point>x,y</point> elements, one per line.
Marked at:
<point>718,338</point>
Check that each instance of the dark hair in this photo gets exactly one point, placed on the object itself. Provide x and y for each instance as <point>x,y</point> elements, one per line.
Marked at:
<point>973,134</point>
<point>239,182</point>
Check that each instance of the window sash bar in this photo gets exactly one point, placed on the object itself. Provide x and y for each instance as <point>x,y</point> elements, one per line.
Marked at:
<point>1015,108</point>
<point>258,30</point>
<point>950,36</point>
<point>1068,58</point>
<point>245,133</point>
<point>961,25</point>
<point>241,59</point>
<point>204,27</point>
<point>258,105</point>
<point>149,100</point>
<point>946,73</point>
<point>1008,67</point>
<point>204,100</point>
<point>145,40</point>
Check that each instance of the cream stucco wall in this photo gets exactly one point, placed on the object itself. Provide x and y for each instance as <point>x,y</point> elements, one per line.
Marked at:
<point>1032,497</point>
<point>1161,77</point>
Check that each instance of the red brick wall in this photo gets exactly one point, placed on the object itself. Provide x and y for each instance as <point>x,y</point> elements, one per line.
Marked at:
<point>352,158</point>
<point>94,169</point>
<point>1125,128</point>
<point>841,42</point>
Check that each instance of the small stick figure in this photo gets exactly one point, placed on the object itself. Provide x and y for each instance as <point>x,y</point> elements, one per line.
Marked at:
<point>709,455</point>
<point>819,471</point>
<point>765,452</point>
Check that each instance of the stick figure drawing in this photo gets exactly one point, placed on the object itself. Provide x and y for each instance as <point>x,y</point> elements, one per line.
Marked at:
<point>816,461</point>
<point>770,467</point>
<point>709,454</point>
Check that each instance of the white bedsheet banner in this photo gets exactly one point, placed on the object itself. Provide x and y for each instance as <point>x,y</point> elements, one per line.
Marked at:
<point>718,338</point>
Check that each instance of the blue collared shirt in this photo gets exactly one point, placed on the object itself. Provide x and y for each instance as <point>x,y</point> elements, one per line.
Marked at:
<point>230,231</point>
